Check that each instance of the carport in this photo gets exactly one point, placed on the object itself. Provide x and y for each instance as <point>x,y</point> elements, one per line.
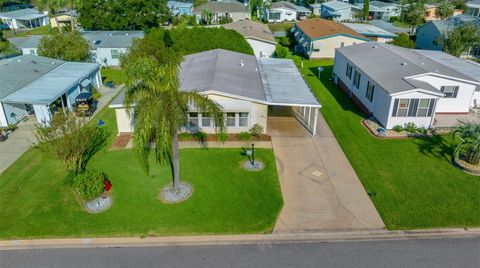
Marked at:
<point>284,86</point>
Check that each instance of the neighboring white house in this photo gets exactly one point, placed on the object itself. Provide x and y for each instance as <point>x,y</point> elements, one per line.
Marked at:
<point>318,38</point>
<point>34,85</point>
<point>105,46</point>
<point>430,34</point>
<point>245,86</point>
<point>285,11</point>
<point>398,85</point>
<point>24,18</point>
<point>373,32</point>
<point>229,10</point>
<point>258,35</point>
<point>339,11</point>
<point>473,8</point>
<point>382,10</point>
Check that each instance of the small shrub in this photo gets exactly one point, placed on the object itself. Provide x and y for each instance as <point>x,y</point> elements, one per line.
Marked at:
<point>280,51</point>
<point>422,130</point>
<point>221,136</point>
<point>397,128</point>
<point>200,136</point>
<point>256,130</point>
<point>95,94</point>
<point>185,136</point>
<point>472,156</point>
<point>244,136</point>
<point>89,184</point>
<point>410,127</point>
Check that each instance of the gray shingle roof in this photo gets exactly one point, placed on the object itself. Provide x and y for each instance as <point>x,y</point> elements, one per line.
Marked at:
<point>468,68</point>
<point>251,29</point>
<point>20,71</point>
<point>370,30</point>
<point>291,6</point>
<point>23,14</point>
<point>26,42</point>
<point>111,39</point>
<point>389,65</point>
<point>222,70</point>
<point>221,7</point>
<point>453,22</point>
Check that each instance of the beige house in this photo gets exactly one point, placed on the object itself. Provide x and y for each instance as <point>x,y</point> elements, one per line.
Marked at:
<point>245,87</point>
<point>258,35</point>
<point>318,38</point>
<point>216,10</point>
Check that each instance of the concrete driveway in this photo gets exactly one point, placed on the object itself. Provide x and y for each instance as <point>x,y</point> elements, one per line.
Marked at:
<point>320,189</point>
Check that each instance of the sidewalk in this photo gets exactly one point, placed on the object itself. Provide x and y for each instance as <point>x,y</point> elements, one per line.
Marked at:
<point>237,239</point>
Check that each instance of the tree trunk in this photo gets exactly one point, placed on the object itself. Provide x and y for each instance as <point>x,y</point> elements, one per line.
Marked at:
<point>56,21</point>
<point>175,162</point>
<point>72,23</point>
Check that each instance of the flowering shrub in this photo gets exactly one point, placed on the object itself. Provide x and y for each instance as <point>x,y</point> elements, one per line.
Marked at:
<point>90,184</point>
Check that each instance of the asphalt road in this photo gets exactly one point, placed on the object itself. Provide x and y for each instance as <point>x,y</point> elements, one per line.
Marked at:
<point>400,253</point>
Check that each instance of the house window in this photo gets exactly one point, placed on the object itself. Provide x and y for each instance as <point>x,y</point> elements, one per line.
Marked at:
<point>356,79</point>
<point>370,90</point>
<point>449,91</point>
<point>193,119</point>
<point>243,119</point>
<point>115,53</point>
<point>206,120</point>
<point>231,118</point>
<point>402,107</point>
<point>413,107</point>
<point>423,106</point>
<point>349,71</point>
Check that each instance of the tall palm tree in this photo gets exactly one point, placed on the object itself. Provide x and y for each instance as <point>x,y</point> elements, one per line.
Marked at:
<point>159,107</point>
<point>52,6</point>
<point>469,136</point>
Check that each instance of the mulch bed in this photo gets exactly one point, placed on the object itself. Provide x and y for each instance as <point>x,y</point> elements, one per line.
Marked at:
<point>121,141</point>
<point>372,126</point>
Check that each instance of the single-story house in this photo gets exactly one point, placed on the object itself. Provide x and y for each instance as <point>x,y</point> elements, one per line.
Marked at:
<point>316,7</point>
<point>285,11</point>
<point>64,18</point>
<point>473,8</point>
<point>430,34</point>
<point>27,18</point>
<point>180,8</point>
<point>339,11</point>
<point>318,38</point>
<point>244,85</point>
<point>397,85</point>
<point>372,32</point>
<point>382,10</point>
<point>233,10</point>
<point>34,85</point>
<point>105,46</point>
<point>258,35</point>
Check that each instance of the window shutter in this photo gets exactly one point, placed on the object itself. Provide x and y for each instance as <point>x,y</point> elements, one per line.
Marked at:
<point>430,108</point>
<point>412,109</point>
<point>455,92</point>
<point>395,107</point>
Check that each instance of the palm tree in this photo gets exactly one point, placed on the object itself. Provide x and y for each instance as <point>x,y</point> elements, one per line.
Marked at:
<point>444,10</point>
<point>159,108</point>
<point>469,136</point>
<point>73,4</point>
<point>52,6</point>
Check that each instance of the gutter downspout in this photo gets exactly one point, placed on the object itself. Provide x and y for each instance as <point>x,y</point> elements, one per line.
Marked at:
<point>433,113</point>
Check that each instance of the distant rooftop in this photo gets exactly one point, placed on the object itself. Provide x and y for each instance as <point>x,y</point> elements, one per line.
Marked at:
<point>390,66</point>
<point>26,42</point>
<point>370,30</point>
<point>291,6</point>
<point>215,7</point>
<point>468,68</point>
<point>111,39</point>
<point>454,22</point>
<point>251,29</point>
<point>338,5</point>
<point>473,3</point>
<point>318,28</point>
<point>23,14</point>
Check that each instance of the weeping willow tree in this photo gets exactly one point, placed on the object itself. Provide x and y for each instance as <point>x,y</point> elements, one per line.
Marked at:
<point>157,105</point>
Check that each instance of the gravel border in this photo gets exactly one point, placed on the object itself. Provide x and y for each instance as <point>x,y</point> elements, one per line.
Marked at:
<point>88,205</point>
<point>257,166</point>
<point>169,195</point>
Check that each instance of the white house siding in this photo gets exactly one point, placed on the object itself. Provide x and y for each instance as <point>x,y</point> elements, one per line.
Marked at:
<point>3,117</point>
<point>428,37</point>
<point>460,104</point>
<point>328,45</point>
<point>285,14</point>
<point>42,112</point>
<point>260,48</point>
<point>125,123</point>
<point>30,50</point>
<point>14,112</point>
<point>103,56</point>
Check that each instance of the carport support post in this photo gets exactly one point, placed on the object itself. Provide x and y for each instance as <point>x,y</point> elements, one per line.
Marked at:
<point>315,122</point>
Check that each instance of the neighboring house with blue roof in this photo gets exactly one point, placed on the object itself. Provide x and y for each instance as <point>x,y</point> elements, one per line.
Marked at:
<point>180,8</point>
<point>339,11</point>
<point>372,32</point>
<point>285,11</point>
<point>34,85</point>
<point>430,34</point>
<point>105,46</point>
<point>25,18</point>
<point>473,8</point>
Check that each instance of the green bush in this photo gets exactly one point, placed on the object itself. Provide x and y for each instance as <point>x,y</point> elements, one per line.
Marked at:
<point>200,136</point>
<point>89,184</point>
<point>185,136</point>
<point>410,127</point>
<point>221,136</point>
<point>393,19</point>
<point>397,128</point>
<point>244,136</point>
<point>280,51</point>
<point>256,130</point>
<point>422,130</point>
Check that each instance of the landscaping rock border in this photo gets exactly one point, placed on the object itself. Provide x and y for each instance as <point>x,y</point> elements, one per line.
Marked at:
<point>256,166</point>
<point>99,204</point>
<point>466,167</point>
<point>372,126</point>
<point>169,195</point>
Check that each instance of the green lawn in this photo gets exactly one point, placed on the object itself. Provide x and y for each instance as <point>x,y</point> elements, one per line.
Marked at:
<point>37,31</point>
<point>415,184</point>
<point>114,75</point>
<point>401,24</point>
<point>37,200</point>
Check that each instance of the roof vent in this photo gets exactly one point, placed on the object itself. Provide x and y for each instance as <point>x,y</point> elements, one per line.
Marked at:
<point>403,63</point>
<point>242,63</point>
<point>35,70</point>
